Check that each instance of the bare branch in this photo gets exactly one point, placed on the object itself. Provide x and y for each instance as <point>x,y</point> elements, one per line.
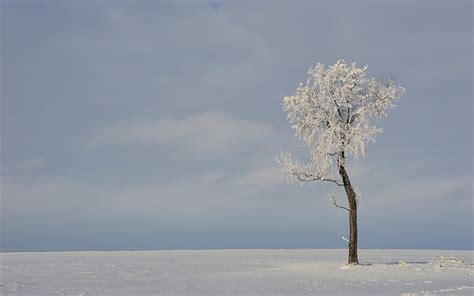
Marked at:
<point>303,177</point>
<point>338,206</point>
<point>353,117</point>
<point>338,110</point>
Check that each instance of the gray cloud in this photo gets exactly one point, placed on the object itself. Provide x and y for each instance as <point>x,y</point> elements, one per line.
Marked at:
<point>209,134</point>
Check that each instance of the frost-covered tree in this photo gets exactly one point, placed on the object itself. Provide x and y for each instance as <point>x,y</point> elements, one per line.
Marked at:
<point>331,113</point>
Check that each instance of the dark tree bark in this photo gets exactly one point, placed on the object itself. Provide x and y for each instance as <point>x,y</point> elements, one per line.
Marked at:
<point>351,197</point>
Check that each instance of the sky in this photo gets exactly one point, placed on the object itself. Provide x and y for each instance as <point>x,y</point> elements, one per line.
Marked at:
<point>156,125</point>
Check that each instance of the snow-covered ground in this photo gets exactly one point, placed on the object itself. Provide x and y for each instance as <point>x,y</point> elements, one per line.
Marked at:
<point>238,272</point>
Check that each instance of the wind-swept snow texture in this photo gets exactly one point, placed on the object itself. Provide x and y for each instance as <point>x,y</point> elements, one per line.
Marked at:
<point>238,272</point>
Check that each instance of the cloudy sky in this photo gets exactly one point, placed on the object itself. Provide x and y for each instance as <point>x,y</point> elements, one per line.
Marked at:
<point>155,125</point>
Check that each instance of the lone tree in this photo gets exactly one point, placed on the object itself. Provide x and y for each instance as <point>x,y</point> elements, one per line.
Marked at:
<point>331,114</point>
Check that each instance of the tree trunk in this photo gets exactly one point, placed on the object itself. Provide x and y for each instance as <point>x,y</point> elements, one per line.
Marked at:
<point>351,196</point>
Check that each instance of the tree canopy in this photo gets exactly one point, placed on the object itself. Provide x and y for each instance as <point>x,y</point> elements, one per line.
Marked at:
<point>331,113</point>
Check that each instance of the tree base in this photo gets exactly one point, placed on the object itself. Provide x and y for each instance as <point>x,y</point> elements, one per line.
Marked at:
<point>349,265</point>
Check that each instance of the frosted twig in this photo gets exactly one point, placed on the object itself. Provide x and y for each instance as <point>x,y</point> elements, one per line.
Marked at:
<point>338,206</point>
<point>303,177</point>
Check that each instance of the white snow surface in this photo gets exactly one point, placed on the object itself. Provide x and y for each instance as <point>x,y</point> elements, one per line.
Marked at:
<point>238,272</point>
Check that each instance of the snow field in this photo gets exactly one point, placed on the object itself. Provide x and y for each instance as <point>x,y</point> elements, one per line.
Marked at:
<point>238,272</point>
